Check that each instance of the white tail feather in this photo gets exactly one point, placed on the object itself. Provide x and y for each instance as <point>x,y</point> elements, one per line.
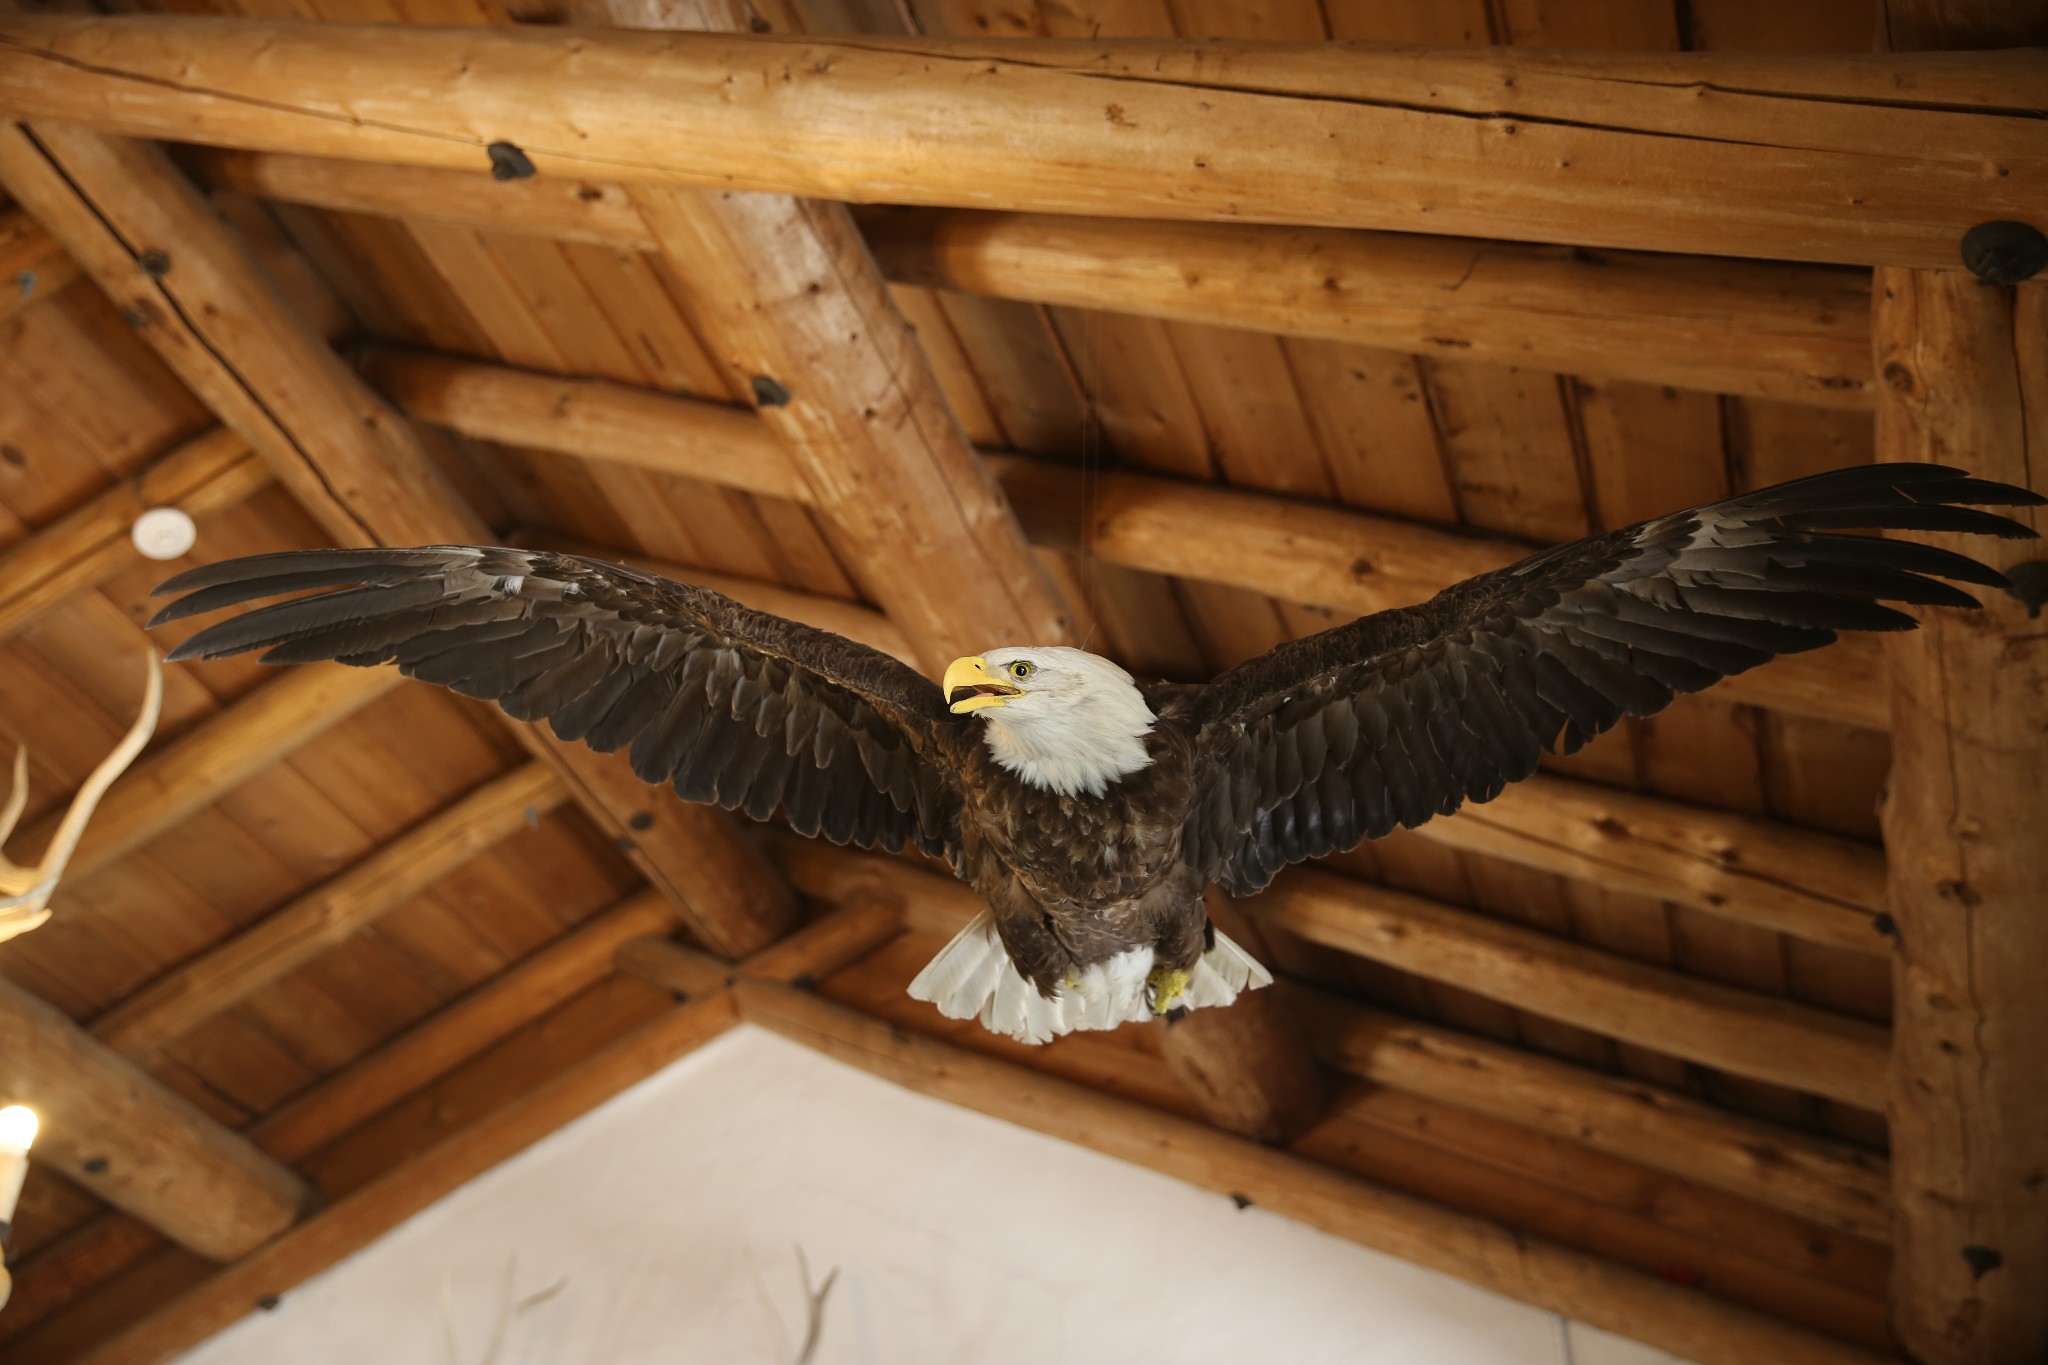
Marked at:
<point>973,978</point>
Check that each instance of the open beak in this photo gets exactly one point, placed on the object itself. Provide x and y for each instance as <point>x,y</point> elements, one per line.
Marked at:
<point>969,687</point>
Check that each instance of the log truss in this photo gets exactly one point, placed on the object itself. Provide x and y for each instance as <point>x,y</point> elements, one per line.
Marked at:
<point>1636,1010</point>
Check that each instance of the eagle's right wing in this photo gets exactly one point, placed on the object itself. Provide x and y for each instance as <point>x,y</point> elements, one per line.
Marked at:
<point>733,706</point>
<point>1406,714</point>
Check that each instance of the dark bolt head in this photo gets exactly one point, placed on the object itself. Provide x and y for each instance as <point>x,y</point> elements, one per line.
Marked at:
<point>642,820</point>
<point>2005,251</point>
<point>509,163</point>
<point>94,1165</point>
<point>769,393</point>
<point>154,263</point>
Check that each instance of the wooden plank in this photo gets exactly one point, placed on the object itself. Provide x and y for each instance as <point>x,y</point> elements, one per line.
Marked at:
<point>32,266</point>
<point>1473,1249</point>
<point>92,544</point>
<point>1740,1031</point>
<point>1724,326</point>
<point>296,933</point>
<point>1839,1186</point>
<point>133,1143</point>
<point>1793,158</point>
<point>1966,382</point>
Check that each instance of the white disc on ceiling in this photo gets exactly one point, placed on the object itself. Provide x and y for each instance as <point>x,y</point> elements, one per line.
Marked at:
<point>164,533</point>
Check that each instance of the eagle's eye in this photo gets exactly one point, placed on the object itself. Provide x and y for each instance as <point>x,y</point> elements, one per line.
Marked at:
<point>1021,670</point>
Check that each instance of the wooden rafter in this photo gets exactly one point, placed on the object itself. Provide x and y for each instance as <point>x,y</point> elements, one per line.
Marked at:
<point>135,1143</point>
<point>1816,159</point>
<point>138,227</point>
<point>1739,327</point>
<point>1965,381</point>
<point>32,266</point>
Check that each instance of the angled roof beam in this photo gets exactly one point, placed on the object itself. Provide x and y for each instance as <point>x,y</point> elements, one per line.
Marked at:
<point>1769,330</point>
<point>1866,160</point>
<point>139,228</point>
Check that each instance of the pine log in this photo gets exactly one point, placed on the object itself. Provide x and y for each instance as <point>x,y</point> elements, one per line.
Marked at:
<point>1836,1185</point>
<point>1297,551</point>
<point>1741,327</point>
<point>32,266</point>
<point>295,934</point>
<point>1473,1249</point>
<point>1859,159</point>
<point>91,544</point>
<point>1965,370</point>
<point>1750,1034</point>
<point>590,418</point>
<point>127,215</point>
<point>785,294</point>
<point>591,211</point>
<point>131,1142</point>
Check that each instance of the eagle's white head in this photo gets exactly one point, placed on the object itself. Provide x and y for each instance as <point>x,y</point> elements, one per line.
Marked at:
<point>1060,718</point>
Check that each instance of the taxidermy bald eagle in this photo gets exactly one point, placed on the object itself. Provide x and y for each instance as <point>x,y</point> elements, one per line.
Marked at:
<point>1088,810</point>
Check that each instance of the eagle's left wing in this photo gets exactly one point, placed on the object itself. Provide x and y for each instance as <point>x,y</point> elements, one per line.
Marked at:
<point>1407,714</point>
<point>733,706</point>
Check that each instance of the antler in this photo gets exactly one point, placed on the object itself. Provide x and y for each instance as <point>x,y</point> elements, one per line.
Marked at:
<point>25,891</point>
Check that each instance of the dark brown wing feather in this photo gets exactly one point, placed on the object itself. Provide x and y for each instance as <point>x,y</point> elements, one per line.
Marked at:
<point>732,706</point>
<point>1407,714</point>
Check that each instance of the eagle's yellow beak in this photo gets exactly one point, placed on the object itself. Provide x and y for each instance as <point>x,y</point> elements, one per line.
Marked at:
<point>969,687</point>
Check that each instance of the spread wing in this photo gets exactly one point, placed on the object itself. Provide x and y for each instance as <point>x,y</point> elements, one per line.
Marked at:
<point>1407,714</point>
<point>737,707</point>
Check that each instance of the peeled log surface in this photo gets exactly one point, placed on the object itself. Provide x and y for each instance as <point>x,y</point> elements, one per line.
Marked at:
<point>1800,882</point>
<point>1480,1252</point>
<point>1839,1186</point>
<point>1741,327</point>
<point>133,1143</point>
<point>1773,156</point>
<point>1762,1036</point>
<point>1966,382</point>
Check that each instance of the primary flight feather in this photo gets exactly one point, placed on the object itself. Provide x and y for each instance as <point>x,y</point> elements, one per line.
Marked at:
<point>1089,811</point>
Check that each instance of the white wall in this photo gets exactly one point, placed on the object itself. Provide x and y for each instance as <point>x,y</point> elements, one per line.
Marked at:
<point>669,1218</point>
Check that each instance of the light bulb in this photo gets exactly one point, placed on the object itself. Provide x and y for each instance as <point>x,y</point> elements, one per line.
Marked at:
<point>164,532</point>
<point>18,1126</point>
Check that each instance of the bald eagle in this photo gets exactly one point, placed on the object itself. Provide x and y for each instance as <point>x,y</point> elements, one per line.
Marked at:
<point>1091,811</point>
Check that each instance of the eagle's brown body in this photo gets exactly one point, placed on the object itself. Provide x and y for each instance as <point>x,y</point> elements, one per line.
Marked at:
<point>1094,857</point>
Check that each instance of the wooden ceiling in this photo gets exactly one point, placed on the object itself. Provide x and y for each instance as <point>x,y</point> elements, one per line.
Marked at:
<point>1618,1040</point>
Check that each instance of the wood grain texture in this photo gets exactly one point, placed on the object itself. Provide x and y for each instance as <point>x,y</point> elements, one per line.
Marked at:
<point>1966,382</point>
<point>134,1143</point>
<point>1788,158</point>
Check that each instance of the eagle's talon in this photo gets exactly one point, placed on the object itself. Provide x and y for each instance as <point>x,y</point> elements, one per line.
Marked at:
<point>1165,987</point>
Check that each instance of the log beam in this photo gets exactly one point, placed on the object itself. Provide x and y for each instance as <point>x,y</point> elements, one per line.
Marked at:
<point>1836,1185</point>
<point>288,938</point>
<point>1740,327</point>
<point>130,1141</point>
<point>1793,158</point>
<point>1966,382</point>
<point>141,230</point>
<point>1800,333</point>
<point>1473,1249</point>
<point>1297,551</point>
<point>1751,1034</point>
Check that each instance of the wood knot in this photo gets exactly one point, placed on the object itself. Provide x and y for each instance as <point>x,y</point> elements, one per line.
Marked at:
<point>1982,1261</point>
<point>1900,378</point>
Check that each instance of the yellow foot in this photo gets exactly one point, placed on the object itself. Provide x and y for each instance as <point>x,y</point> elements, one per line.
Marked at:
<point>1166,987</point>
